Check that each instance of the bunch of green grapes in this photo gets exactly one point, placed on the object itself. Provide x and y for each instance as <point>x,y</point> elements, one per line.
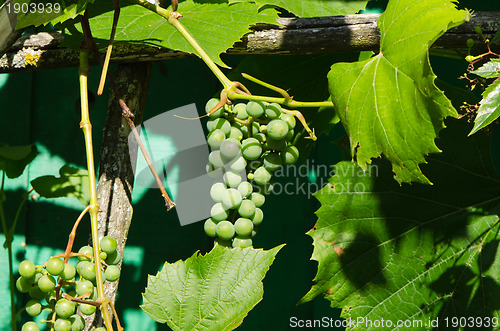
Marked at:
<point>248,141</point>
<point>53,285</point>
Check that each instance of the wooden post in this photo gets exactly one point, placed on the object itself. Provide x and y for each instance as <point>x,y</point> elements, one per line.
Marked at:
<point>349,33</point>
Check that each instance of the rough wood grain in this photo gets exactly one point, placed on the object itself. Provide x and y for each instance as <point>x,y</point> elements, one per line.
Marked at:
<point>116,178</point>
<point>294,36</point>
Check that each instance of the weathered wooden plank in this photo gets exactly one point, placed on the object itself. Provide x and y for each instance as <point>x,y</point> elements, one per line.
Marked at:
<point>295,36</point>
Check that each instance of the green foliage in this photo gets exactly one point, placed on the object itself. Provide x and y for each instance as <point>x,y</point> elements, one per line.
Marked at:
<point>41,12</point>
<point>389,104</point>
<point>211,292</point>
<point>314,8</point>
<point>412,252</point>
<point>490,69</point>
<point>72,183</point>
<point>489,110</point>
<point>215,25</point>
<point>13,159</point>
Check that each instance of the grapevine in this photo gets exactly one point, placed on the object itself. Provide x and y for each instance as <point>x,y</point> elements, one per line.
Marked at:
<point>60,287</point>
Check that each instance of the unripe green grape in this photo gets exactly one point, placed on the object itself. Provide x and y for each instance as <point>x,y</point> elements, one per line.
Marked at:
<point>103,255</point>
<point>216,191</point>
<point>215,159</point>
<point>255,129</point>
<point>277,145</point>
<point>23,285</point>
<point>88,271</point>
<point>243,227</point>
<point>62,325</point>
<point>290,155</point>
<point>238,165</point>
<point>36,293</point>
<point>258,217</point>
<point>84,287</point>
<point>229,149</point>
<point>87,309</point>
<point>209,227</point>
<point>255,108</point>
<point>273,110</point>
<point>215,138</point>
<point>231,199</point>
<point>236,133</point>
<point>261,137</point>
<point>470,43</point>
<point>213,172</point>
<point>221,124</point>
<point>289,135</point>
<point>30,326</point>
<point>262,176</point>
<point>245,189</point>
<point>232,179</point>
<point>112,273</point>
<point>54,266</point>
<point>33,308</point>
<point>470,58</point>
<point>277,129</point>
<point>69,271</point>
<point>242,242</point>
<point>114,258</point>
<point>77,323</point>
<point>65,308</point>
<point>27,269</point>
<point>108,244</point>
<point>258,199</point>
<point>478,30</point>
<point>218,212</point>
<point>51,298</point>
<point>210,105</point>
<point>289,119</point>
<point>46,283</point>
<point>251,149</point>
<point>224,230</point>
<point>241,111</point>
<point>272,161</point>
<point>246,208</point>
<point>87,250</point>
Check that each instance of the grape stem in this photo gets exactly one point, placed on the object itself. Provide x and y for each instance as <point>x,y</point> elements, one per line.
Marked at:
<point>302,120</point>
<point>116,16</point>
<point>86,127</point>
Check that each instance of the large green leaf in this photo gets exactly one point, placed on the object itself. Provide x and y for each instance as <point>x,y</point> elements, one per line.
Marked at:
<point>13,159</point>
<point>215,25</point>
<point>73,183</point>
<point>315,8</point>
<point>489,108</point>
<point>412,252</point>
<point>389,104</point>
<point>38,12</point>
<point>208,292</point>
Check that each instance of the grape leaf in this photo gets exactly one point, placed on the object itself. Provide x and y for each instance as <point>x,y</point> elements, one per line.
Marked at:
<point>208,292</point>
<point>13,159</point>
<point>490,69</point>
<point>412,252</point>
<point>215,25</point>
<point>489,108</point>
<point>41,12</point>
<point>73,183</point>
<point>389,104</point>
<point>315,8</point>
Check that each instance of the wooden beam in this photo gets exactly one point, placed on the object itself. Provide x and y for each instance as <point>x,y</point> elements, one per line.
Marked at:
<point>348,33</point>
